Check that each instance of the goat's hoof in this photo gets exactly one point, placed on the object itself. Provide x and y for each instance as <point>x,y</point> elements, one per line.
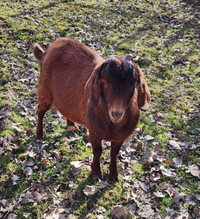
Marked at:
<point>96,174</point>
<point>40,136</point>
<point>114,177</point>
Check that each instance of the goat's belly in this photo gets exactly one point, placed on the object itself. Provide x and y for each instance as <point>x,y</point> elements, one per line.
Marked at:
<point>71,110</point>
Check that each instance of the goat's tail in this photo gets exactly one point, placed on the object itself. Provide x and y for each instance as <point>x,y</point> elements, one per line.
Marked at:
<point>38,51</point>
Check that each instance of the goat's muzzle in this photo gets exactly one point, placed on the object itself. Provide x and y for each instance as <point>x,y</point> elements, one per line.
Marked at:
<point>116,115</point>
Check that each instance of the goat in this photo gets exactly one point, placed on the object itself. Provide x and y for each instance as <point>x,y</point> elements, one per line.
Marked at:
<point>99,94</point>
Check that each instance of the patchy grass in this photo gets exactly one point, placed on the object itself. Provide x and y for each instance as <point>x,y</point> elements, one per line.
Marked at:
<point>163,37</point>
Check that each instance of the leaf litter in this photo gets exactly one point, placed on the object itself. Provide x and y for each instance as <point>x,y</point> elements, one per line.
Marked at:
<point>153,172</point>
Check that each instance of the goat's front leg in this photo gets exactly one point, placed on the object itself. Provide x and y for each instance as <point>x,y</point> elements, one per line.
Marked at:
<point>115,147</point>
<point>97,151</point>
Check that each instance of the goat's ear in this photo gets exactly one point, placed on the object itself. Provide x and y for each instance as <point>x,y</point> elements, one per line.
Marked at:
<point>143,97</point>
<point>38,51</point>
<point>92,87</point>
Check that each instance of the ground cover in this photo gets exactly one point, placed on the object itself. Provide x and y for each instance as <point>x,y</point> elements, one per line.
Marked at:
<point>159,165</point>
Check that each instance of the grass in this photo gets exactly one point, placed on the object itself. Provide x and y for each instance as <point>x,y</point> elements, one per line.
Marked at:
<point>162,34</point>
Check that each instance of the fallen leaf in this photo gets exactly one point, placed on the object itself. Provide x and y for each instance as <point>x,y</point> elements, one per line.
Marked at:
<point>147,158</point>
<point>148,138</point>
<point>132,208</point>
<point>165,171</point>
<point>4,202</point>
<point>175,145</point>
<point>168,161</point>
<point>71,184</point>
<point>90,190</point>
<point>57,154</point>
<point>26,215</point>
<point>102,184</point>
<point>177,162</point>
<point>159,194</point>
<point>118,212</point>
<point>197,197</point>
<point>196,211</point>
<point>57,213</point>
<point>16,128</point>
<point>12,216</point>
<point>39,197</point>
<point>178,198</point>
<point>76,166</point>
<point>15,178</point>
<point>28,171</point>
<point>72,139</point>
<point>100,209</point>
<point>194,170</point>
<point>30,163</point>
<point>100,217</point>
<point>1,151</point>
<point>170,191</point>
<point>146,211</point>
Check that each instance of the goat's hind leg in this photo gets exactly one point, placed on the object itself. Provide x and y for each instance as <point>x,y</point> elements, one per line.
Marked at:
<point>44,104</point>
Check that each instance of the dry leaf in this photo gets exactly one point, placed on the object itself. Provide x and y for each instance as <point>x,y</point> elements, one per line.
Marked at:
<point>196,211</point>
<point>178,198</point>
<point>194,170</point>
<point>175,145</point>
<point>30,163</point>
<point>177,162</point>
<point>165,171</point>
<point>100,217</point>
<point>76,166</point>
<point>148,138</point>
<point>4,202</point>
<point>12,216</point>
<point>28,171</point>
<point>57,154</point>
<point>159,194</point>
<point>102,184</point>
<point>118,212</point>
<point>39,197</point>
<point>90,190</point>
<point>15,178</point>
<point>1,151</point>
<point>132,209</point>
<point>145,211</point>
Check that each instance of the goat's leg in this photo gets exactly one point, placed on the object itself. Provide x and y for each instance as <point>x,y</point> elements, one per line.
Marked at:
<point>44,104</point>
<point>41,113</point>
<point>70,123</point>
<point>115,147</point>
<point>97,151</point>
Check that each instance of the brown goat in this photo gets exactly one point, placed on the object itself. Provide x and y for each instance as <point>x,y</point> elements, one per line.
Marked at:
<point>99,94</point>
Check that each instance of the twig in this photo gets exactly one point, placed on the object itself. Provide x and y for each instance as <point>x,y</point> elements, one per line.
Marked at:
<point>12,207</point>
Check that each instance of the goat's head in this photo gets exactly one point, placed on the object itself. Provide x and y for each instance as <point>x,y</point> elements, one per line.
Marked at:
<point>113,83</point>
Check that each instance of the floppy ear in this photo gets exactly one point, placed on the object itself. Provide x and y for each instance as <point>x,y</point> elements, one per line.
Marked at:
<point>143,97</point>
<point>92,87</point>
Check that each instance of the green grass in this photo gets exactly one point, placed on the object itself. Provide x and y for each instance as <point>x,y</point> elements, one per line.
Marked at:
<point>164,35</point>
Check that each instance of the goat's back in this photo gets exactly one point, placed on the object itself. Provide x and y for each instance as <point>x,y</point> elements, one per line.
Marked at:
<point>65,69</point>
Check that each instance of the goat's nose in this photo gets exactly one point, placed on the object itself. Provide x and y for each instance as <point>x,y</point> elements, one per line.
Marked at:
<point>116,115</point>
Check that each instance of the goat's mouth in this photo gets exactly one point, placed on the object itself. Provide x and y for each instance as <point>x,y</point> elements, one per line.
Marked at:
<point>116,116</point>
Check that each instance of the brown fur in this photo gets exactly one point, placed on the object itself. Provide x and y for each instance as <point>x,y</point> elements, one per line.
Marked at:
<point>98,93</point>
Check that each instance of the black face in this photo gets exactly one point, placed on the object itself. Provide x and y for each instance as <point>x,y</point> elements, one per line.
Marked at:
<point>118,80</point>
